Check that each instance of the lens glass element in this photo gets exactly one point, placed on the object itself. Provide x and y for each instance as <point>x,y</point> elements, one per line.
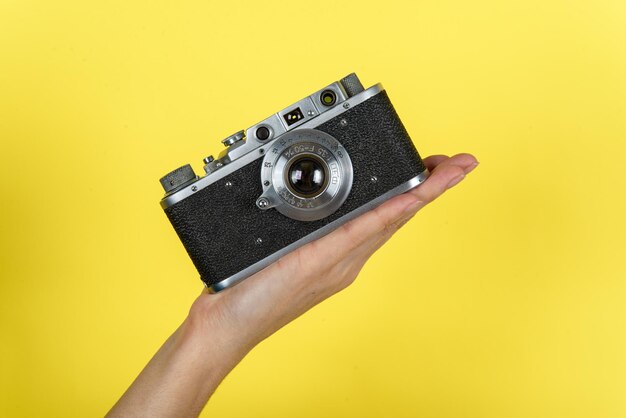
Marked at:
<point>307,177</point>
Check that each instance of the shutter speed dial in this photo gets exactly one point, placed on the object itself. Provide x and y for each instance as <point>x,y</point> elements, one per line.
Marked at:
<point>178,178</point>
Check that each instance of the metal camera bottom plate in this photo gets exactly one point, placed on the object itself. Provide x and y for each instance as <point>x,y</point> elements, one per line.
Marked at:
<point>260,265</point>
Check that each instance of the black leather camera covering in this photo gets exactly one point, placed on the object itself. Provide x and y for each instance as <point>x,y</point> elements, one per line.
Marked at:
<point>220,226</point>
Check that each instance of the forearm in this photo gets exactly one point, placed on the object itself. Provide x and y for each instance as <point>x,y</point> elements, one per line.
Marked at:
<point>180,378</point>
<point>184,373</point>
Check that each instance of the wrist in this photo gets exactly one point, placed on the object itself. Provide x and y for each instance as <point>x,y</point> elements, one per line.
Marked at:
<point>185,371</point>
<point>214,339</point>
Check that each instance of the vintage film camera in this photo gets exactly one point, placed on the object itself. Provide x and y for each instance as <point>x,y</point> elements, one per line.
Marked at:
<point>290,179</point>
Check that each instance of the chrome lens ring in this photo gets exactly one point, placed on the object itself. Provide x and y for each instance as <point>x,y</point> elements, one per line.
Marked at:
<point>296,152</point>
<point>306,143</point>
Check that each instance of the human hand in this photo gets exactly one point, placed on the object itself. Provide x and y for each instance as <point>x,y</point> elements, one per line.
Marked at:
<point>221,328</point>
<point>271,298</point>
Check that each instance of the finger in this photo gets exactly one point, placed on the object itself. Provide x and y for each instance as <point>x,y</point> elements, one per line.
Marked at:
<point>434,160</point>
<point>466,161</point>
<point>445,175</point>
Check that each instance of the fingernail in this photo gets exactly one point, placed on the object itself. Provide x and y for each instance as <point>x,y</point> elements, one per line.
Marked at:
<point>455,181</point>
<point>413,207</point>
<point>471,167</point>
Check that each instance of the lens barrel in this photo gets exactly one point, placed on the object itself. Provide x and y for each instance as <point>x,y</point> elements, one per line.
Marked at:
<point>307,176</point>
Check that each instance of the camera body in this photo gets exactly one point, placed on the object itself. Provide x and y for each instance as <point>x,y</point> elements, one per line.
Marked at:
<point>290,179</point>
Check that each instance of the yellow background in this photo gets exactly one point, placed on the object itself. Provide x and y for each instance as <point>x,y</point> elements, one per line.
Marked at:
<point>506,298</point>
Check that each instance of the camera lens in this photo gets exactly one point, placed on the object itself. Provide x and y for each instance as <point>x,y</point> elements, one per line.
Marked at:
<point>328,98</point>
<point>307,177</point>
<point>262,133</point>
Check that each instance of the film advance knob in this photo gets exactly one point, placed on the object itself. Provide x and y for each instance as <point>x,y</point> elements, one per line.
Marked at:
<point>177,178</point>
<point>236,137</point>
<point>352,84</point>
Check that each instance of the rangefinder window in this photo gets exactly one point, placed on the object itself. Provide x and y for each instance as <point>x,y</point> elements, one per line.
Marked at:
<point>328,97</point>
<point>293,116</point>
